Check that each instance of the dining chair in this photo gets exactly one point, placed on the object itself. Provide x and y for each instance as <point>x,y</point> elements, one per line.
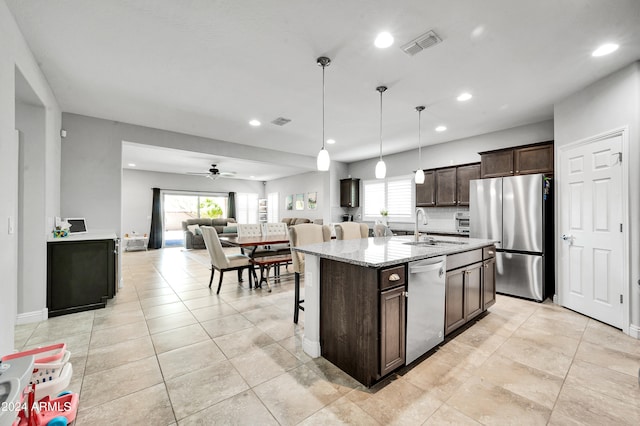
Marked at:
<point>221,261</point>
<point>249,230</point>
<point>351,230</point>
<point>381,230</point>
<point>300,235</point>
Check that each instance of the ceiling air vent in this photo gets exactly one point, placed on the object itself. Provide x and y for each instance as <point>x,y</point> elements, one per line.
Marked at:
<point>425,41</point>
<point>280,121</point>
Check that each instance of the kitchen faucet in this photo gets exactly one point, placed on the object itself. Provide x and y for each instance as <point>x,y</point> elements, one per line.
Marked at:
<point>416,234</point>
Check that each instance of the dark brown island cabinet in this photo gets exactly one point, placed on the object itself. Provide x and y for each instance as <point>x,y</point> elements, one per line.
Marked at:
<point>470,286</point>
<point>350,192</point>
<point>522,160</point>
<point>447,186</point>
<point>363,310</point>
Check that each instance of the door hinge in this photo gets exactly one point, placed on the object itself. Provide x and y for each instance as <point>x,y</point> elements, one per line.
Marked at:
<point>620,298</point>
<point>620,227</point>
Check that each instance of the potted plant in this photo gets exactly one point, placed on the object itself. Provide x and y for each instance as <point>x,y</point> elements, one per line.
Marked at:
<point>385,216</point>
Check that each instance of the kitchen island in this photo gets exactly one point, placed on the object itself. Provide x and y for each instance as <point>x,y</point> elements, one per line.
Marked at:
<point>356,297</point>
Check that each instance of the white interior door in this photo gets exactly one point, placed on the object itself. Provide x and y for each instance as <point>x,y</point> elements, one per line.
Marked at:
<point>591,255</point>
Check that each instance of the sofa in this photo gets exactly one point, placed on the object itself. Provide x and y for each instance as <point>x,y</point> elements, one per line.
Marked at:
<point>193,240</point>
<point>290,221</point>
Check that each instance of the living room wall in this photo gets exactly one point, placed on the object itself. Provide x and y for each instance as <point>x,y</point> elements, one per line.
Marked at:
<point>137,194</point>
<point>301,184</point>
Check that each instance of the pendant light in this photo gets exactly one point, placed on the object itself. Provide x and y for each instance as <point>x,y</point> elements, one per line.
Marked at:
<point>419,172</point>
<point>381,168</point>
<point>323,160</point>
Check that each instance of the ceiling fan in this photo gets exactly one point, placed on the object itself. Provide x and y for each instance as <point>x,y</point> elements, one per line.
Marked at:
<point>213,173</point>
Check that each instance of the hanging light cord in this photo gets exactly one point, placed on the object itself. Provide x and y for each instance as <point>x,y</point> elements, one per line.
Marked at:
<point>381,124</point>
<point>323,67</point>
<point>419,138</point>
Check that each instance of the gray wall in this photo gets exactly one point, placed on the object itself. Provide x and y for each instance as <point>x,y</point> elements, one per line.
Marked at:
<point>302,184</point>
<point>32,230</point>
<point>137,194</point>
<point>610,103</point>
<point>455,152</point>
<point>14,55</point>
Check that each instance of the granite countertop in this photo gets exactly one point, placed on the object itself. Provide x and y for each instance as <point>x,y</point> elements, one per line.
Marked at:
<point>387,251</point>
<point>87,236</point>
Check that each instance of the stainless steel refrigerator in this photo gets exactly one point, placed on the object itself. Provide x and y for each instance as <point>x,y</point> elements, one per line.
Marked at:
<point>517,212</point>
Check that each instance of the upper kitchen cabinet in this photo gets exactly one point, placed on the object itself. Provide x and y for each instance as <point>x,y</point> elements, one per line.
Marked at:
<point>446,187</point>
<point>350,192</point>
<point>464,174</point>
<point>523,160</point>
<point>426,192</point>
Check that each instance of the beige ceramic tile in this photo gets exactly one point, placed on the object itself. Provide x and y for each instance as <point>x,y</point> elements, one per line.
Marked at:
<point>535,356</point>
<point>109,336</point>
<point>340,412</point>
<point>202,302</point>
<point>582,406</point>
<point>623,362</point>
<point>107,357</point>
<point>161,310</point>
<point>226,325</point>
<point>448,416</point>
<point>150,406</point>
<point>481,338</point>
<point>121,318</point>
<point>195,391</point>
<point>262,364</point>
<point>107,385</point>
<point>159,300</point>
<point>242,409</point>
<point>242,341</point>
<point>617,385</point>
<point>295,395</point>
<point>178,337</point>
<point>170,322</point>
<point>208,313</point>
<point>189,358</point>
<point>561,344</point>
<point>490,404</point>
<point>611,338</point>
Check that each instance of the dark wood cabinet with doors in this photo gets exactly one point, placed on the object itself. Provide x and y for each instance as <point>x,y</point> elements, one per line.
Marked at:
<point>465,174</point>
<point>446,188</point>
<point>363,318</point>
<point>488,276</point>
<point>350,192</point>
<point>522,160</point>
<point>464,294</point>
<point>426,192</point>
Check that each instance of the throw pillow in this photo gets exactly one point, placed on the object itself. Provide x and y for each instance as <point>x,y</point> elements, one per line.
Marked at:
<point>198,230</point>
<point>192,228</point>
<point>230,229</point>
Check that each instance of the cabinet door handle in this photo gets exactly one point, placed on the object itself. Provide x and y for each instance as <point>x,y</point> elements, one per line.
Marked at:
<point>490,252</point>
<point>394,277</point>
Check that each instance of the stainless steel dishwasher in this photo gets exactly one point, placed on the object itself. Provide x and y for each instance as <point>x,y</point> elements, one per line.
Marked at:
<point>425,306</point>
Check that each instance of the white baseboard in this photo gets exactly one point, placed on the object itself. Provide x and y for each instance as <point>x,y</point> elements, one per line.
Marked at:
<point>634,331</point>
<point>35,316</point>
<point>311,348</point>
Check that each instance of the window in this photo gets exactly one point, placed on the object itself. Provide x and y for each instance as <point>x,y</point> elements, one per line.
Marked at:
<point>246,207</point>
<point>181,206</point>
<point>393,194</point>
<point>272,207</point>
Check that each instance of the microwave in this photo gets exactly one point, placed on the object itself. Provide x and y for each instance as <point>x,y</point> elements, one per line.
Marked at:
<point>462,222</point>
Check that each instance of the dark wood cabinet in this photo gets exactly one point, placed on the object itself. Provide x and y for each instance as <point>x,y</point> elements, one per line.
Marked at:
<point>465,174</point>
<point>81,275</point>
<point>446,188</point>
<point>363,318</point>
<point>350,192</point>
<point>522,160</point>
<point>533,159</point>
<point>426,192</point>
<point>463,300</point>
<point>489,277</point>
<point>392,329</point>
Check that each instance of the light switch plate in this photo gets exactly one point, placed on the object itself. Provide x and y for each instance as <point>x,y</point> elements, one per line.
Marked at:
<point>11,229</point>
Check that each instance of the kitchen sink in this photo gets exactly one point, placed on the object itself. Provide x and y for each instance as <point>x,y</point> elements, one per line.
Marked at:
<point>434,242</point>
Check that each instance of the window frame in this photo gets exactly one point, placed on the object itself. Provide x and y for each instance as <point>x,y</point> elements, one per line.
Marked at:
<point>395,218</point>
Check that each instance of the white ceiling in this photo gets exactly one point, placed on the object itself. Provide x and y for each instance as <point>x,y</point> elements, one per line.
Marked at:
<point>207,67</point>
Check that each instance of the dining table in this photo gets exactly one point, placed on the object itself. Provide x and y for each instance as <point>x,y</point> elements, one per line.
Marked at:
<point>249,245</point>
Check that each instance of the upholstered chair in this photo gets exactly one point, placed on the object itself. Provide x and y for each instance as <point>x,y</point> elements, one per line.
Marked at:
<point>301,235</point>
<point>351,230</point>
<point>219,260</point>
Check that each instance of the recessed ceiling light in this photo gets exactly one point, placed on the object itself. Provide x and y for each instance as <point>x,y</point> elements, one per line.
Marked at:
<point>441,128</point>
<point>331,141</point>
<point>131,165</point>
<point>251,177</point>
<point>605,49</point>
<point>254,123</point>
<point>383,40</point>
<point>464,97</point>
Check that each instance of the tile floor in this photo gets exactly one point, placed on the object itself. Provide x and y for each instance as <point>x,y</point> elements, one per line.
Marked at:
<point>168,351</point>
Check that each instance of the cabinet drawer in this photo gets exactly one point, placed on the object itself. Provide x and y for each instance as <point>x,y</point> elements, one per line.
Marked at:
<point>489,252</point>
<point>455,261</point>
<point>392,277</point>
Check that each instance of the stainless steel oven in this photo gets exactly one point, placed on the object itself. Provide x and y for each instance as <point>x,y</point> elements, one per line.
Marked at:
<point>462,222</point>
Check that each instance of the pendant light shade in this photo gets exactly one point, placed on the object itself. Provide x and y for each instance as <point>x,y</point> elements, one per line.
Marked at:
<point>381,168</point>
<point>419,172</point>
<point>323,160</point>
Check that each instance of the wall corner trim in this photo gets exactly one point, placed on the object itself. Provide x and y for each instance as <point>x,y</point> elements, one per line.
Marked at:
<point>35,316</point>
